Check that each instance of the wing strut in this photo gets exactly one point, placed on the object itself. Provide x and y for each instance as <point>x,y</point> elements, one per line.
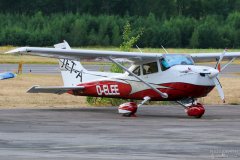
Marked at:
<point>227,64</point>
<point>163,95</point>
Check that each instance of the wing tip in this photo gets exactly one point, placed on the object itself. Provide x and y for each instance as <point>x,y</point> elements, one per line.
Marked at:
<point>17,50</point>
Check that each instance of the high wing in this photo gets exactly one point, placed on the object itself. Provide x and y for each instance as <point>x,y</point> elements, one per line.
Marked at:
<point>82,53</point>
<point>53,89</point>
<point>133,56</point>
<point>213,57</point>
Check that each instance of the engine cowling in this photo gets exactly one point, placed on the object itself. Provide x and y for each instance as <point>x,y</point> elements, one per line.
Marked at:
<point>128,109</point>
<point>195,110</point>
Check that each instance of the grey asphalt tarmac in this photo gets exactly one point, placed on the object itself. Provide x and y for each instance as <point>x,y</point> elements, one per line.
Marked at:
<point>159,132</point>
<point>54,69</point>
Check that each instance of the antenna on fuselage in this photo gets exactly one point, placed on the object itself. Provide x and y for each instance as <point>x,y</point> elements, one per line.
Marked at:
<point>165,50</point>
<point>139,49</point>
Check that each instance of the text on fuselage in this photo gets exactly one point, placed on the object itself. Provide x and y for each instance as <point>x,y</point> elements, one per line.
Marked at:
<point>107,89</point>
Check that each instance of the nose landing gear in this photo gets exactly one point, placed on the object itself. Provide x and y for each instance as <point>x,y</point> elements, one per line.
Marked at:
<point>195,110</point>
<point>192,107</point>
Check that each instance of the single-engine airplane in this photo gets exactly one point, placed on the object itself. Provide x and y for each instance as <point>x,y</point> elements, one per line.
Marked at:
<point>152,76</point>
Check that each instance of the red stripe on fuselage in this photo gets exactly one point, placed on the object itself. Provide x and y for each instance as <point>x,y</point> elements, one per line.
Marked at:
<point>175,91</point>
<point>104,89</point>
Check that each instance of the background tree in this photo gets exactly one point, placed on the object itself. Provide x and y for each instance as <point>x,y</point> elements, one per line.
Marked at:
<point>172,23</point>
<point>129,39</point>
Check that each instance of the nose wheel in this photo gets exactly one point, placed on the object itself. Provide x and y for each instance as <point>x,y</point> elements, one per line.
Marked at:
<point>195,110</point>
<point>192,108</point>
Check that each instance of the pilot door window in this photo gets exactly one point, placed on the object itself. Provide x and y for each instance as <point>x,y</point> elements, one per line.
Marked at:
<point>150,68</point>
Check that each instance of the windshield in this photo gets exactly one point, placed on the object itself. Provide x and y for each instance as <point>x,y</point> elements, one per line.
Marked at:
<point>172,60</point>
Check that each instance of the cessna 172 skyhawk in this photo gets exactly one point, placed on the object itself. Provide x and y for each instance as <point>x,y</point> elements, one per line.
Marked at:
<point>152,76</point>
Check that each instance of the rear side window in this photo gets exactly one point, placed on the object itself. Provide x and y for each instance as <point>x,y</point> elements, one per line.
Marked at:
<point>150,68</point>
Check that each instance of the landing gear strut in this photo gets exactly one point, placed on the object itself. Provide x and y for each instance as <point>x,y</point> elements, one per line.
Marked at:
<point>193,109</point>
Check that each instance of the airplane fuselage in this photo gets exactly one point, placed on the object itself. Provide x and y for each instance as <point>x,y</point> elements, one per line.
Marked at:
<point>179,82</point>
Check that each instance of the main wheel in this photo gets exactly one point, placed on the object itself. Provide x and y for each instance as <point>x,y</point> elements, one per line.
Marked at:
<point>128,109</point>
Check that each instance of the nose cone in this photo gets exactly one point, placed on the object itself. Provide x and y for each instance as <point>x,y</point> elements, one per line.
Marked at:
<point>205,70</point>
<point>213,73</point>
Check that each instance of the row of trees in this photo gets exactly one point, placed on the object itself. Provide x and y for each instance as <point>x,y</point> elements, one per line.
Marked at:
<point>161,8</point>
<point>105,30</point>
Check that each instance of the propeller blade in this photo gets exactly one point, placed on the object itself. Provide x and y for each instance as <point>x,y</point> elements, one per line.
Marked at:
<point>219,88</point>
<point>218,65</point>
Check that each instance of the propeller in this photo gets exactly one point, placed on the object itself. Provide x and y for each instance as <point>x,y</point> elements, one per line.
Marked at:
<point>215,77</point>
<point>219,88</point>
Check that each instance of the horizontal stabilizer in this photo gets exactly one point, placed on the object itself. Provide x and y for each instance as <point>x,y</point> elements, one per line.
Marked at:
<point>53,89</point>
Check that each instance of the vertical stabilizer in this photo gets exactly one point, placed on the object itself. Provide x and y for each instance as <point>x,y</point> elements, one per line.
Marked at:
<point>71,70</point>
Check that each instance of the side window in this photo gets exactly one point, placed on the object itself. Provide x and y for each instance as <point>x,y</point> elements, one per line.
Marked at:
<point>150,68</point>
<point>137,71</point>
<point>164,65</point>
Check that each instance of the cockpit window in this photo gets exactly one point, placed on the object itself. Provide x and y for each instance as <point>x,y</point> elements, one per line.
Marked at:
<point>137,71</point>
<point>150,68</point>
<point>172,60</point>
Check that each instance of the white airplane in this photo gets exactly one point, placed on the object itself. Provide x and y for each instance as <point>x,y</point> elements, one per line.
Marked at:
<point>152,76</point>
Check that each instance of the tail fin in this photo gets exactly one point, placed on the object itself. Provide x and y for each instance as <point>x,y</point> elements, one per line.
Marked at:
<point>73,73</point>
<point>71,70</point>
